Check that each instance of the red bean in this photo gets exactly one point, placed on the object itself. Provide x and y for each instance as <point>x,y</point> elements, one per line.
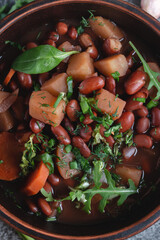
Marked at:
<point>142,112</point>
<point>145,92</point>
<point>25,80</point>
<point>72,33</point>
<point>86,133</point>
<point>54,36</point>
<point>79,143</point>
<point>13,85</point>
<point>126,121</point>
<point>110,85</point>
<point>62,28</point>
<point>142,140</point>
<point>91,84</point>
<point>155,116</point>
<point>155,133</point>
<point>50,42</point>
<point>85,40</point>
<point>88,120</point>
<point>130,59</point>
<point>47,187</point>
<point>32,206</point>
<point>36,126</point>
<point>93,52</point>
<point>110,140</point>
<point>111,46</point>
<point>132,105</point>
<point>31,45</point>
<point>128,152</point>
<point>68,126</point>
<point>61,134</point>
<point>53,179</point>
<point>135,82</point>
<point>72,109</point>
<point>142,125</point>
<point>43,77</point>
<point>44,206</point>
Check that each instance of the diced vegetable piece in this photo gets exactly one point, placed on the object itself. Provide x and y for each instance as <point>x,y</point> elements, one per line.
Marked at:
<point>67,46</point>
<point>63,163</point>
<point>6,121</point>
<point>129,173</point>
<point>104,28</point>
<point>10,156</point>
<point>9,76</point>
<point>109,103</point>
<point>56,84</point>
<point>18,108</point>
<point>41,108</point>
<point>109,65</point>
<point>36,180</point>
<point>80,66</point>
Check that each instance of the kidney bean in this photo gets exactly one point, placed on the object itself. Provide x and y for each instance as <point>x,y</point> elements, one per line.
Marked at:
<point>110,85</point>
<point>68,125</point>
<point>72,33</point>
<point>132,105</point>
<point>72,109</point>
<point>31,205</point>
<point>111,46</point>
<point>79,143</point>
<point>126,120</point>
<point>145,92</point>
<point>93,52</point>
<point>142,125</point>
<point>36,126</point>
<point>13,85</point>
<point>43,77</point>
<point>85,40</point>
<point>47,187</point>
<point>128,152</point>
<point>31,45</point>
<point>86,133</point>
<point>62,28</point>
<point>110,139</point>
<point>61,134</point>
<point>155,116</point>
<point>87,119</point>
<point>91,84</point>
<point>155,133</point>
<point>25,80</point>
<point>142,112</point>
<point>44,206</point>
<point>130,59</point>
<point>50,42</point>
<point>142,140</point>
<point>54,36</point>
<point>135,82</point>
<point>53,179</point>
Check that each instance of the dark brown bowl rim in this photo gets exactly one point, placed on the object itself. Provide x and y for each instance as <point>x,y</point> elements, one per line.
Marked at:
<point>16,222</point>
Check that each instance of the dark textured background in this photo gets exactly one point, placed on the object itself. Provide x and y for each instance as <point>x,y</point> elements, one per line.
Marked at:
<point>152,233</point>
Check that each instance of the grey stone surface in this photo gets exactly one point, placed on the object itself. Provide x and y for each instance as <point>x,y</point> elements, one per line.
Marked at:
<point>152,233</point>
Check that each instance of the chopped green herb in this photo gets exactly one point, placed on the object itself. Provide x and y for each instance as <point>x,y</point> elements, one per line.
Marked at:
<point>73,165</point>
<point>48,196</point>
<point>80,30</point>
<point>14,44</point>
<point>1,161</point>
<point>115,114</point>
<point>59,98</point>
<point>139,100</point>
<point>116,75</point>
<point>68,148</point>
<point>36,86</point>
<point>44,105</point>
<point>152,104</point>
<point>70,87</point>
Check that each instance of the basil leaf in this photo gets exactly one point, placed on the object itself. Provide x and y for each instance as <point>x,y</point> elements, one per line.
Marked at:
<point>40,59</point>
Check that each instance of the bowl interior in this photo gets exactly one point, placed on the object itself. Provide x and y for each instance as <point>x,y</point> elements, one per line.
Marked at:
<point>39,18</point>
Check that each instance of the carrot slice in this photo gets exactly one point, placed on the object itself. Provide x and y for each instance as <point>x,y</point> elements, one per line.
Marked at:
<point>9,76</point>
<point>36,180</point>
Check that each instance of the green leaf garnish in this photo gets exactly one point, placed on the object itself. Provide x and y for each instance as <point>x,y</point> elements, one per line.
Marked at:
<point>152,75</point>
<point>116,75</point>
<point>70,87</point>
<point>48,196</point>
<point>40,59</point>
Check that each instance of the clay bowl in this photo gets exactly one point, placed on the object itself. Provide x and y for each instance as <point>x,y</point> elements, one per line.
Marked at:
<point>23,26</point>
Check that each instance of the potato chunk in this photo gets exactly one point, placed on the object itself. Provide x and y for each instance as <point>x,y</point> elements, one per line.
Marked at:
<point>80,66</point>
<point>41,107</point>
<point>104,28</point>
<point>129,173</point>
<point>56,84</point>
<point>110,65</point>
<point>108,103</point>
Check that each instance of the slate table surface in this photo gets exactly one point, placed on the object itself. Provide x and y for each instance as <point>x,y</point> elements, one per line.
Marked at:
<point>152,233</point>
